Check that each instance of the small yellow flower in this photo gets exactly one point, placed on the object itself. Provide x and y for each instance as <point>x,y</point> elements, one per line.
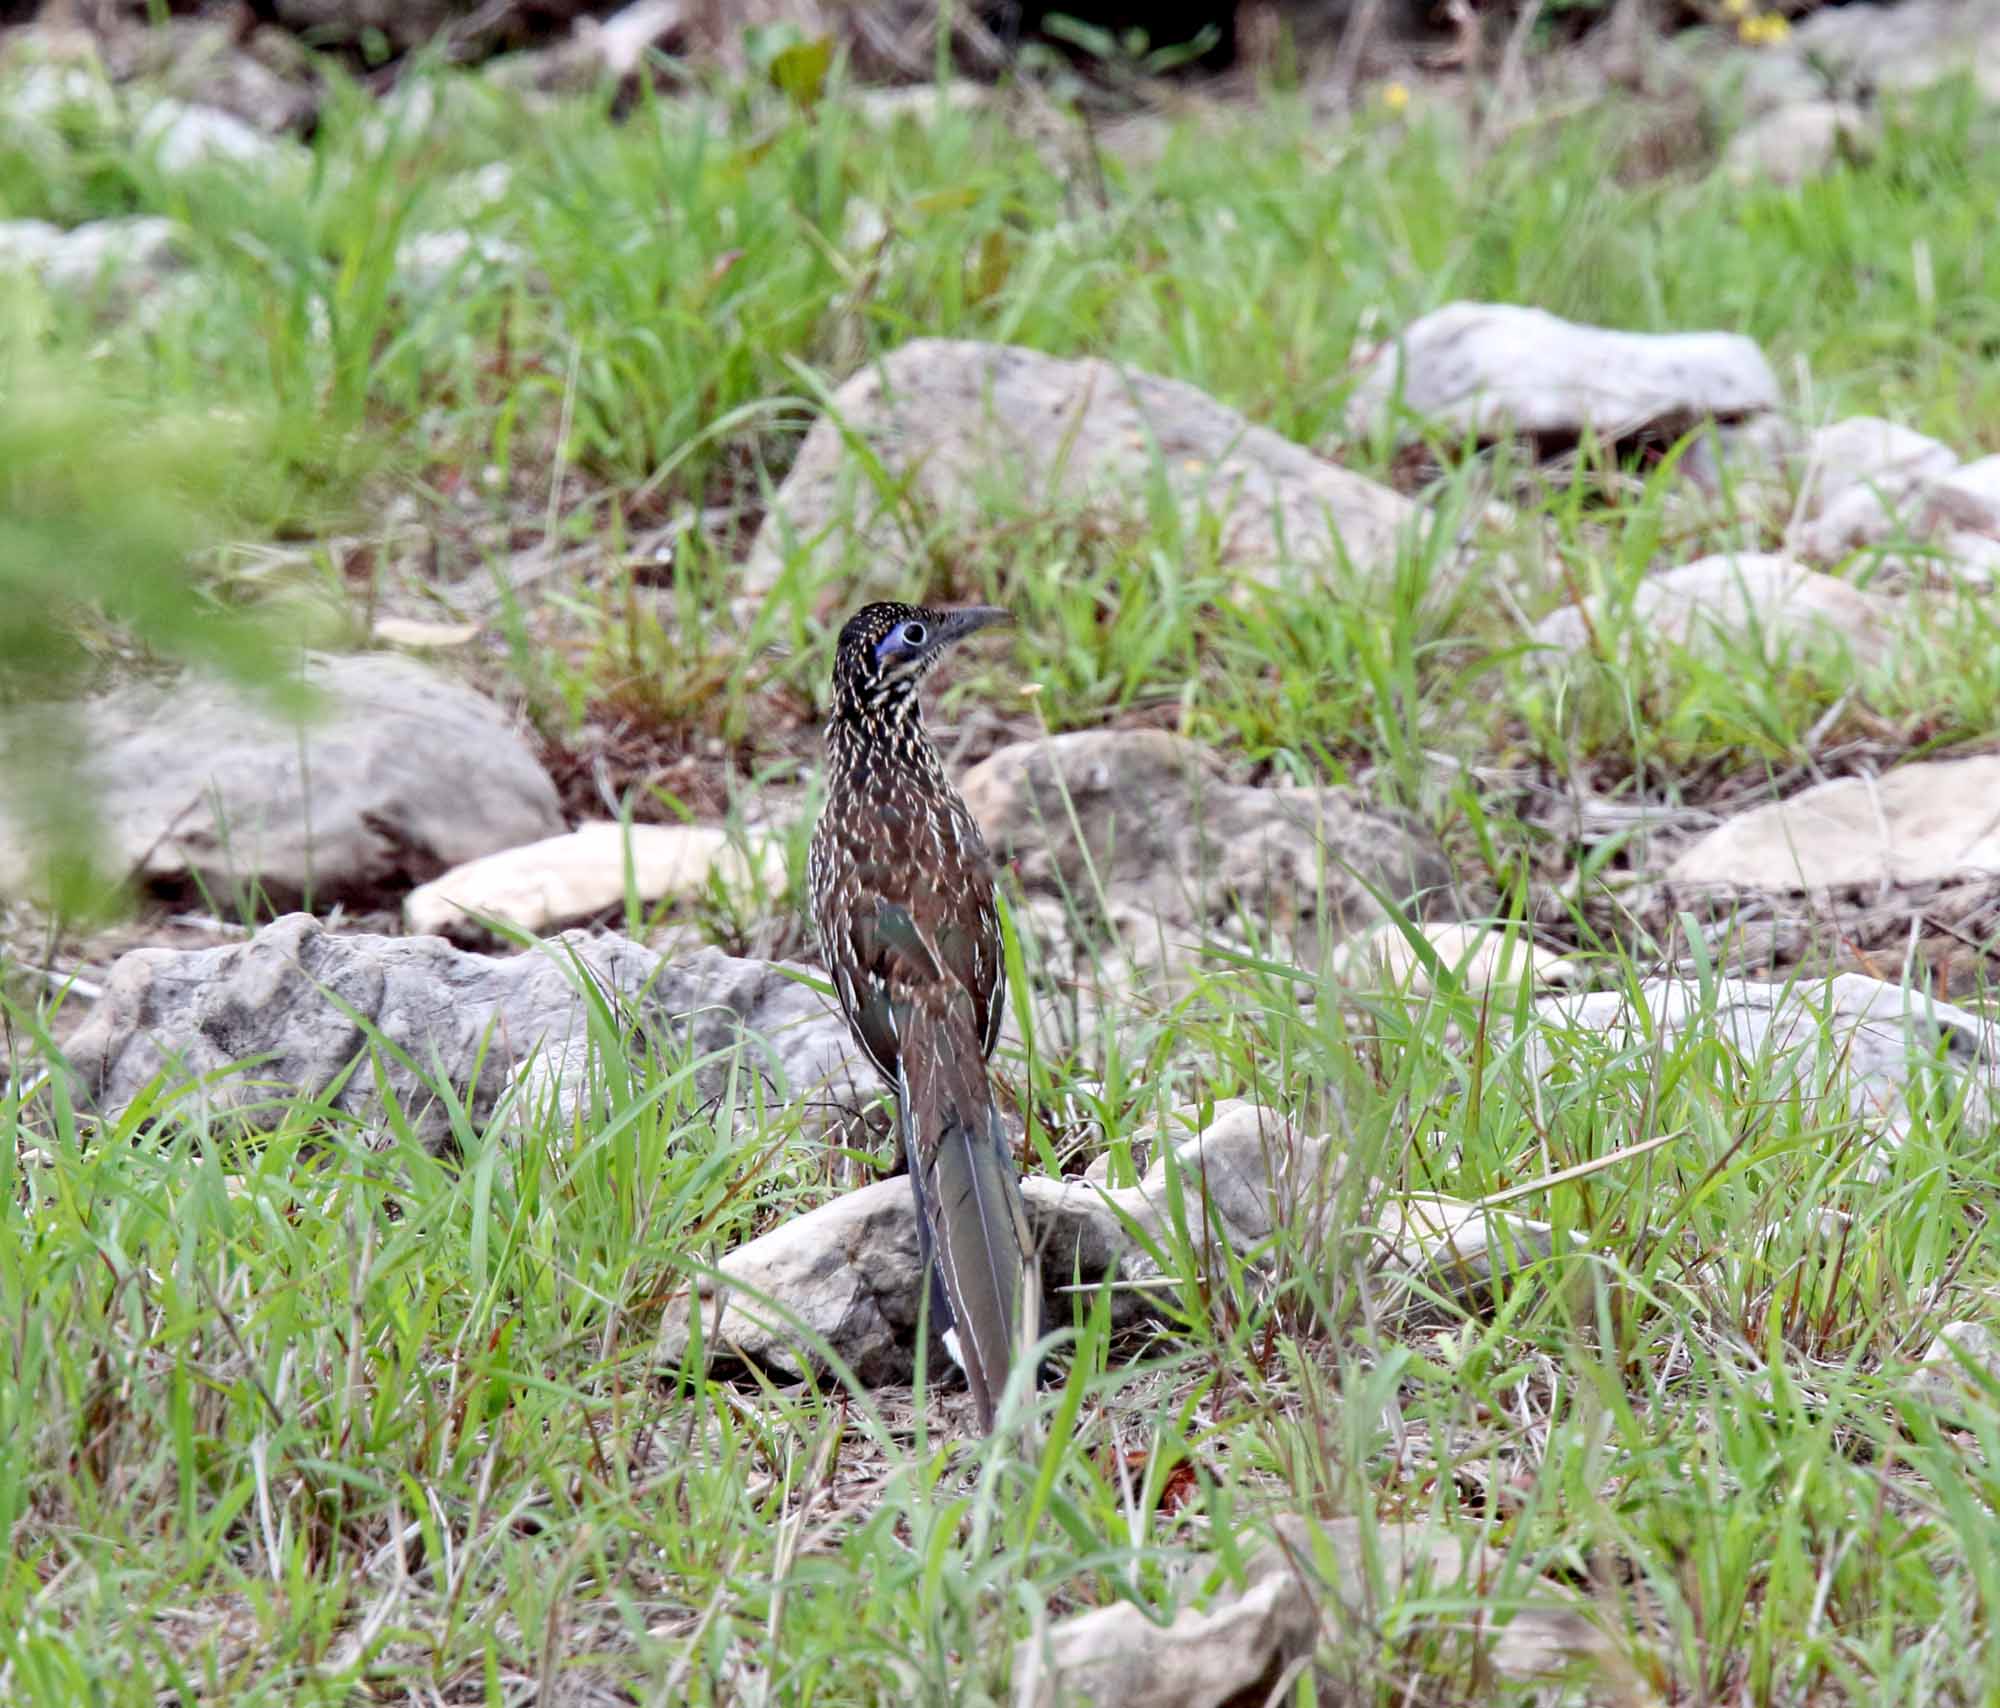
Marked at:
<point>1395,96</point>
<point>1765,29</point>
<point>1735,8</point>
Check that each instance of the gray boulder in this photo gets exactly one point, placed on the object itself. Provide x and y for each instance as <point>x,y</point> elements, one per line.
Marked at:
<point>406,774</point>
<point>1495,369</point>
<point>953,424</point>
<point>295,1010</point>
<point>1927,823</point>
<point>1141,836</point>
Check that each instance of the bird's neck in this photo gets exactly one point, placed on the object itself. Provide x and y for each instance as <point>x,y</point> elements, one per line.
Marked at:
<point>869,744</point>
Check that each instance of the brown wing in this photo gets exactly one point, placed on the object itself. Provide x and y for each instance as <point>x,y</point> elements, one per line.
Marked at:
<point>890,922</point>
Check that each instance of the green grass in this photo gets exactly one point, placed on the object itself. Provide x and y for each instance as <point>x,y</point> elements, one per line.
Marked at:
<point>311,1415</point>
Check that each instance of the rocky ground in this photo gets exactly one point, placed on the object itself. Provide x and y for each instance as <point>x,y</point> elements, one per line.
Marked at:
<point>1497,776</point>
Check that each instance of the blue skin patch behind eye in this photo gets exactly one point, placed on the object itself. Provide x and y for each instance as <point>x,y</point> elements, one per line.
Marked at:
<point>898,641</point>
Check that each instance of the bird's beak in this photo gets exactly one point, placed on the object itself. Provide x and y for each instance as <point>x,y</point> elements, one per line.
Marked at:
<point>965,620</point>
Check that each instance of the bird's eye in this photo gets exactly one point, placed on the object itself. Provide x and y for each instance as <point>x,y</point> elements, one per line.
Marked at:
<point>914,634</point>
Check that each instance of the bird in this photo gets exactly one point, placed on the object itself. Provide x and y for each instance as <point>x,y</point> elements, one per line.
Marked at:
<point>902,896</point>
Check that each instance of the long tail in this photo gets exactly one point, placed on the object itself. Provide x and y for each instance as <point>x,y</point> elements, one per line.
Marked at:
<point>974,1225</point>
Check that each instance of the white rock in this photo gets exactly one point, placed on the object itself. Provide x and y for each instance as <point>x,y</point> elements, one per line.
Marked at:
<point>1860,478</point>
<point>1960,1368</point>
<point>1337,1574</point>
<point>49,90</point>
<point>620,43</point>
<point>1920,824</point>
<point>1428,1248</point>
<point>574,876</point>
<point>958,424</point>
<point>421,636</point>
<point>851,1269</point>
<point>1718,603</point>
<point>1867,452</point>
<point>128,259</point>
<point>1490,369</point>
<point>432,260</point>
<point>1482,955</point>
<point>181,136</point>
<point>1794,143</point>
<point>1858,1040</point>
<point>1903,48</point>
<point>1967,498</point>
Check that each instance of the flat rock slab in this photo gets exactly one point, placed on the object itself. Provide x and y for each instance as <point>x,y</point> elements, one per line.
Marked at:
<point>1147,826</point>
<point>1322,1577</point>
<point>1859,1039</point>
<point>1720,603</point>
<point>245,1028</point>
<point>846,1279</point>
<point>592,868</point>
<point>956,427</point>
<point>404,774</point>
<point>1490,370</point>
<point>1927,823</point>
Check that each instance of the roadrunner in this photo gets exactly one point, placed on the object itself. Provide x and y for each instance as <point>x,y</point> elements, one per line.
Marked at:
<point>902,893</point>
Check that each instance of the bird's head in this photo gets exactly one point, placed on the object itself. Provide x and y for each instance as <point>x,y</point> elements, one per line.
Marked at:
<point>885,650</point>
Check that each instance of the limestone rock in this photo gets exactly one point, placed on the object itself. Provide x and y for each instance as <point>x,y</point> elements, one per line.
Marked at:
<point>44,91</point>
<point>1234,1651</point>
<point>432,260</point>
<point>1148,821</point>
<point>1883,49</point>
<point>1960,1368</point>
<point>1320,1576</point>
<point>1430,1255</point>
<point>123,263</point>
<point>406,773</point>
<point>1866,479</point>
<point>1932,544</point>
<point>1859,1040</point>
<point>575,876</point>
<point>250,1026</point>
<point>607,50</point>
<point>1924,823</point>
<point>848,1276</point>
<point>1865,452</point>
<point>1493,369</point>
<point>955,423</point>
<point>1796,142</point>
<point>182,136</point>
<point>1719,603</point>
